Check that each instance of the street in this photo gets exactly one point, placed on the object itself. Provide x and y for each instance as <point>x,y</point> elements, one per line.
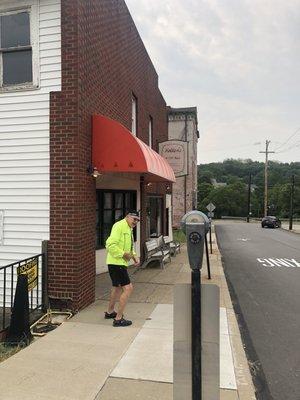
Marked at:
<point>262,268</point>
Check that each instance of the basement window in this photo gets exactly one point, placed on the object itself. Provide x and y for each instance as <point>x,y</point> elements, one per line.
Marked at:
<point>18,50</point>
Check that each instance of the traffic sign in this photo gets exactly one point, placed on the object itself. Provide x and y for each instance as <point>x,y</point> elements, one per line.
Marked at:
<point>211,207</point>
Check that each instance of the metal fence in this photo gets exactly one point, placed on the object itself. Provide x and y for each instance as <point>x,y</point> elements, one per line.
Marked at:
<point>8,282</point>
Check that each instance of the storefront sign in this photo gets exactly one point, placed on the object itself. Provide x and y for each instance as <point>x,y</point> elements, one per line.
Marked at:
<point>175,152</point>
<point>31,270</point>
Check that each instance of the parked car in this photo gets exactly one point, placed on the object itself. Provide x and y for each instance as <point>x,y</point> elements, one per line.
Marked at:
<point>270,222</point>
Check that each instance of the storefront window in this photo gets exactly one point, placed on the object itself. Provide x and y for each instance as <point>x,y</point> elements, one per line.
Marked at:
<point>154,216</point>
<point>112,205</point>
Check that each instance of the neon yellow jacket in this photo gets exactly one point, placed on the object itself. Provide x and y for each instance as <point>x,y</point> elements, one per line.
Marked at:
<point>118,243</point>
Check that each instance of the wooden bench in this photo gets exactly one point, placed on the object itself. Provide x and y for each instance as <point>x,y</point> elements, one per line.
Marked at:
<point>174,246</point>
<point>154,251</point>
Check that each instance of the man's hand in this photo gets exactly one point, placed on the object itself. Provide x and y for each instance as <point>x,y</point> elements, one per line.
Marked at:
<point>136,261</point>
<point>127,256</point>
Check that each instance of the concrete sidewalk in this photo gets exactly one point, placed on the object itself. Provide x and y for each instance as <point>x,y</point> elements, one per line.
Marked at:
<point>88,359</point>
<point>296,227</point>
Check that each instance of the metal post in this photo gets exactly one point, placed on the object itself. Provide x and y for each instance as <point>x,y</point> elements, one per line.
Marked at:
<point>196,335</point>
<point>249,198</point>
<point>207,256</point>
<point>210,241</point>
<point>292,203</point>
<point>45,297</point>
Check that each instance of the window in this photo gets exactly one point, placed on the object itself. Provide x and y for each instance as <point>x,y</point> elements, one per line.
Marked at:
<point>134,115</point>
<point>112,205</point>
<point>154,213</point>
<point>18,49</point>
<point>150,131</point>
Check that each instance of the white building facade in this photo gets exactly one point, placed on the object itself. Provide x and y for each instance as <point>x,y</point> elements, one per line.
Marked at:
<point>30,69</point>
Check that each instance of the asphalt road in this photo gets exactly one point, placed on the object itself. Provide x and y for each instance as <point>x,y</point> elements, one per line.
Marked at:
<point>262,267</point>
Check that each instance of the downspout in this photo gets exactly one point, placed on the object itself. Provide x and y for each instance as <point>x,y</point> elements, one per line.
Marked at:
<point>143,217</point>
<point>185,176</point>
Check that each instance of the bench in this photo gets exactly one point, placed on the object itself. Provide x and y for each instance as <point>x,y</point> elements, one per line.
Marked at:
<point>174,246</point>
<point>154,251</point>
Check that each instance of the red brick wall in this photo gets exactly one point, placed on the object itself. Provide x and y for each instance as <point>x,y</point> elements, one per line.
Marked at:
<point>103,62</point>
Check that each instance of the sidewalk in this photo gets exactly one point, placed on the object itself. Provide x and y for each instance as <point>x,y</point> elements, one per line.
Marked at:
<point>296,227</point>
<point>88,359</point>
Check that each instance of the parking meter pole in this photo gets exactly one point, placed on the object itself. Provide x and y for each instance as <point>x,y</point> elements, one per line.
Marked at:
<point>207,257</point>
<point>196,335</point>
<point>195,225</point>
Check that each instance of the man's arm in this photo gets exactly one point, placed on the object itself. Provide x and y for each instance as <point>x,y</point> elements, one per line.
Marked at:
<point>113,242</point>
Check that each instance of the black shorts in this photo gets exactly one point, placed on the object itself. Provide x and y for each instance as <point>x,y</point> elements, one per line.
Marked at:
<point>118,275</point>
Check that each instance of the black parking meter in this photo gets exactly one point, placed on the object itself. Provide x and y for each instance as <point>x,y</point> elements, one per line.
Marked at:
<point>195,225</point>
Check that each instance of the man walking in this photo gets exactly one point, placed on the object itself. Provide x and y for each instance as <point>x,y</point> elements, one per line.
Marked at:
<point>120,251</point>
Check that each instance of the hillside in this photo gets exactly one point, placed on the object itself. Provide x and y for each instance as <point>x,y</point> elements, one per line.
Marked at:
<point>226,185</point>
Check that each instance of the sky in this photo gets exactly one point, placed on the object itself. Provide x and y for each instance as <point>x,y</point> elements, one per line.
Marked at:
<point>238,62</point>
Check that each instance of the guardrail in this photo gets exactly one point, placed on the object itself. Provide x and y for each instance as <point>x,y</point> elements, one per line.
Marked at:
<point>33,267</point>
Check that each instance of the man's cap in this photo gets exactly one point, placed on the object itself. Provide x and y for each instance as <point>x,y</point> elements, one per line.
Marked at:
<point>134,214</point>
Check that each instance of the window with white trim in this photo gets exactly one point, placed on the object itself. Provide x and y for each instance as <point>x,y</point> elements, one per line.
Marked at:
<point>150,131</point>
<point>18,48</point>
<point>134,115</point>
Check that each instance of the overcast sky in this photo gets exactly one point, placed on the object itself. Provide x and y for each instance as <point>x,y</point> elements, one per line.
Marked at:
<point>238,61</point>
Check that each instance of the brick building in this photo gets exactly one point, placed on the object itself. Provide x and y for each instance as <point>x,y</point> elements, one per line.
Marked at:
<point>88,102</point>
<point>183,136</point>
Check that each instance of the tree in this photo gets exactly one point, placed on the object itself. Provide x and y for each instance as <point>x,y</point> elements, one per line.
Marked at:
<point>231,201</point>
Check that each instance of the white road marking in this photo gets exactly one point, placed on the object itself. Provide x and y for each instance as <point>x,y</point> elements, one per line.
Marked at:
<point>279,262</point>
<point>243,239</point>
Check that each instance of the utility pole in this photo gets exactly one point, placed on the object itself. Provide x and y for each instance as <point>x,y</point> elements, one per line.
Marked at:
<point>292,202</point>
<point>267,152</point>
<point>249,198</point>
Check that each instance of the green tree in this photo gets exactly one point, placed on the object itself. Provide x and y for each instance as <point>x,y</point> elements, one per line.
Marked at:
<point>231,199</point>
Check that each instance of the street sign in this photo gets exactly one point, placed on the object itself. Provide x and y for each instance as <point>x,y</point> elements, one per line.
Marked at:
<point>211,207</point>
<point>210,214</point>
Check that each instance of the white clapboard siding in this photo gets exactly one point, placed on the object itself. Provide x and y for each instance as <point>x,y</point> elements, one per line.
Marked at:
<point>34,226</point>
<point>23,156</point>
<point>24,178</point>
<point>23,213</point>
<point>15,235</point>
<point>24,184</point>
<point>24,148</point>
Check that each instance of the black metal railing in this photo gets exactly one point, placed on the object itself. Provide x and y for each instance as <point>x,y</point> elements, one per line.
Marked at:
<point>8,282</point>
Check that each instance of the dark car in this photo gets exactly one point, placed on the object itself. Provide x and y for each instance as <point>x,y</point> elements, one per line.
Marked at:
<point>270,222</point>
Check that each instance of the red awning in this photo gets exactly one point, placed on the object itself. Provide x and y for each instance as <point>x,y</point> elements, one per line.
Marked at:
<point>116,149</point>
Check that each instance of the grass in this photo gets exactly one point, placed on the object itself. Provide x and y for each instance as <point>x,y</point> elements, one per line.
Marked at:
<point>179,236</point>
<point>7,350</point>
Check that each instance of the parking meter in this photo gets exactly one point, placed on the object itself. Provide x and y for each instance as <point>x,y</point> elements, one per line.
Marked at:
<point>195,225</point>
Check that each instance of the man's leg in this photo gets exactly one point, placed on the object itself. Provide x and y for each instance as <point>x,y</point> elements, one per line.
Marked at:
<point>114,297</point>
<point>127,290</point>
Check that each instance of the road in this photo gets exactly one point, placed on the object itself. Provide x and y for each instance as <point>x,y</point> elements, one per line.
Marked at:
<point>262,267</point>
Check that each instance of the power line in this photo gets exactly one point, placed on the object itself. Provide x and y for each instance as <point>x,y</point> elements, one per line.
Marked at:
<point>288,139</point>
<point>293,145</point>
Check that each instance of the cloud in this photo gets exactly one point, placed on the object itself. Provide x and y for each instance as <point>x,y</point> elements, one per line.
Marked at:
<point>238,61</point>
